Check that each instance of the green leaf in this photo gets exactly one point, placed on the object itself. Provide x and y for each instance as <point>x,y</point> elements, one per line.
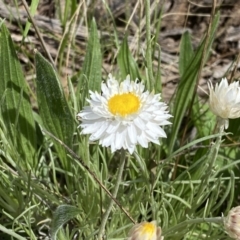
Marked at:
<point>15,103</point>
<point>63,214</point>
<point>53,107</point>
<point>66,6</point>
<point>92,66</point>
<point>33,9</point>
<point>201,114</point>
<point>187,85</point>
<point>10,232</point>
<point>126,62</point>
<point>186,52</point>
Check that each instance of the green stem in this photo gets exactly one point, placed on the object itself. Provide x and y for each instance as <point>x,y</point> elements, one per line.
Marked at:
<point>184,224</point>
<point>108,211</point>
<point>149,45</point>
<point>211,162</point>
<point>215,148</point>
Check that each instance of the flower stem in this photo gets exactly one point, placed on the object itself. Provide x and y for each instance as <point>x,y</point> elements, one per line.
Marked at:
<point>184,224</point>
<point>119,177</point>
<point>214,153</point>
<point>209,167</point>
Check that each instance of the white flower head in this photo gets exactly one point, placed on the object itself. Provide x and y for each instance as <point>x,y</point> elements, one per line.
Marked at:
<point>224,100</point>
<point>124,115</point>
<point>145,231</point>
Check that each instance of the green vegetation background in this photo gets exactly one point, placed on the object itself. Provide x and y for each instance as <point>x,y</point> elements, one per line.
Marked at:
<point>44,189</point>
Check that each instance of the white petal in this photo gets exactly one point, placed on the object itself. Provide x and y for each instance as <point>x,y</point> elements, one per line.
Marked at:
<point>156,130</point>
<point>132,133</point>
<point>112,128</point>
<point>139,123</point>
<point>142,140</point>
<point>120,138</point>
<point>100,131</point>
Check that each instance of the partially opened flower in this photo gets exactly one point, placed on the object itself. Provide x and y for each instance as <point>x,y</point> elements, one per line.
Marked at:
<point>224,101</point>
<point>124,115</point>
<point>145,231</point>
<point>232,223</point>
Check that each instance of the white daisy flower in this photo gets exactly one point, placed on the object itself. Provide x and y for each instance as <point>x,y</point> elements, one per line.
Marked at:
<point>124,115</point>
<point>224,101</point>
<point>145,231</point>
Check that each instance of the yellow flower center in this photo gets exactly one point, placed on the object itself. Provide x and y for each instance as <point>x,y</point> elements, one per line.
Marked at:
<point>123,104</point>
<point>149,229</point>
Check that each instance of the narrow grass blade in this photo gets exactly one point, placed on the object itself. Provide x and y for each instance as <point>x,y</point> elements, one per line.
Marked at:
<point>172,196</point>
<point>15,104</point>
<point>11,233</point>
<point>33,9</point>
<point>186,52</point>
<point>187,85</point>
<point>62,215</point>
<point>91,72</point>
<point>126,62</point>
<point>66,10</point>
<point>53,107</point>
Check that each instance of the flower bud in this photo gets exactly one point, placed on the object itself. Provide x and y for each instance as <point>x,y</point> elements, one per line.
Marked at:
<point>145,231</point>
<point>232,223</point>
<point>224,100</point>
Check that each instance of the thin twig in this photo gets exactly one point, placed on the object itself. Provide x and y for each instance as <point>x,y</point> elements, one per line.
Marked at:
<point>115,191</point>
<point>74,155</point>
<point>37,31</point>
